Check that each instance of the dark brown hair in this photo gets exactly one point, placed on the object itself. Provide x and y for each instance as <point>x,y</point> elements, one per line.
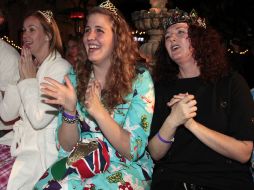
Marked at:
<point>209,52</point>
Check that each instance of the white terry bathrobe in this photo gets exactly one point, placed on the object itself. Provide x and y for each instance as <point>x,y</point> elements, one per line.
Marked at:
<point>9,72</point>
<point>33,142</point>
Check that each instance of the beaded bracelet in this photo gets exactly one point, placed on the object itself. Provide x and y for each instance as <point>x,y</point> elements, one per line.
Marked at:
<point>165,141</point>
<point>71,119</point>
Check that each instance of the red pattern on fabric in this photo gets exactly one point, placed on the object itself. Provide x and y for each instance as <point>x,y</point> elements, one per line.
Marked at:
<point>96,162</point>
<point>83,169</point>
<point>105,154</point>
<point>87,168</point>
<point>6,163</point>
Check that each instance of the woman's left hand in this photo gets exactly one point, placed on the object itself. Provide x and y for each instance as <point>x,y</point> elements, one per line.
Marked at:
<point>183,107</point>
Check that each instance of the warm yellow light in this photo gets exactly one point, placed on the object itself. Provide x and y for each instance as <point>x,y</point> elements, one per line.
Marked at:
<point>5,38</point>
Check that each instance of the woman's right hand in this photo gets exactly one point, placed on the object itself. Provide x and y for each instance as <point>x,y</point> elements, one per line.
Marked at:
<point>183,107</point>
<point>27,67</point>
<point>60,94</point>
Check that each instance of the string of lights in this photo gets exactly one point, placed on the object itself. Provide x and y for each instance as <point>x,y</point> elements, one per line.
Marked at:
<point>5,38</point>
<point>240,52</point>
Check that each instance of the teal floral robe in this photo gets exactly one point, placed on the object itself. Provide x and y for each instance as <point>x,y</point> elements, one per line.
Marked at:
<point>135,116</point>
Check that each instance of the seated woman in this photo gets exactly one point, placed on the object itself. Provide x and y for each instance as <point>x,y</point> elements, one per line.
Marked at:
<point>107,109</point>
<point>33,146</point>
<point>202,130</point>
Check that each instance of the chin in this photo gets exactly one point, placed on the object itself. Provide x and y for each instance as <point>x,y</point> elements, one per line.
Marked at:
<point>93,58</point>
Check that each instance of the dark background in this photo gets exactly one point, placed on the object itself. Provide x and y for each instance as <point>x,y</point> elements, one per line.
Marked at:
<point>232,18</point>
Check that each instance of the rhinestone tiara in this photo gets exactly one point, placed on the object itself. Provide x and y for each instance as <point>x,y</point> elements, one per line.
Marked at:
<point>109,6</point>
<point>48,15</point>
<point>177,16</point>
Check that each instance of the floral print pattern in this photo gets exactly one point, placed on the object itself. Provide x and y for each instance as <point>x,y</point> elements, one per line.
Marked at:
<point>134,116</point>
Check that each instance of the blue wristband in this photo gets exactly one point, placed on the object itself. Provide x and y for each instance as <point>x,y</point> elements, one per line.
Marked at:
<point>165,141</point>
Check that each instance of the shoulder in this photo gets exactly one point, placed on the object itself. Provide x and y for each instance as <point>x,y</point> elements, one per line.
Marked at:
<point>238,81</point>
<point>73,77</point>
<point>7,50</point>
<point>163,85</point>
<point>141,70</point>
<point>60,60</point>
<point>236,87</point>
<point>234,78</point>
<point>59,63</point>
<point>143,75</point>
<point>142,84</point>
<point>143,81</point>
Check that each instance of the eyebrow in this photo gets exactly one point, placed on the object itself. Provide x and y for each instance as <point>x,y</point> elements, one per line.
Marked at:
<point>177,28</point>
<point>31,25</point>
<point>96,26</point>
<point>185,27</point>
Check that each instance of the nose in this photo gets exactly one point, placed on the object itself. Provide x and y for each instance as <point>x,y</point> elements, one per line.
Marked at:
<point>172,37</point>
<point>90,35</point>
<point>25,34</point>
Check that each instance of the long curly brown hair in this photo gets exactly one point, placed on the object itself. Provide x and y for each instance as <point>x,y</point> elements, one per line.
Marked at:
<point>123,63</point>
<point>209,52</point>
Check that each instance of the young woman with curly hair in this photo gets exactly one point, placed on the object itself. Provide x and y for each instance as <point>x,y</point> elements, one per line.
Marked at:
<point>202,130</point>
<point>107,105</point>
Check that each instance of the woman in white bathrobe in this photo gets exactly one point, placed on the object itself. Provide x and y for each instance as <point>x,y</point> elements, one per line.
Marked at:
<point>33,146</point>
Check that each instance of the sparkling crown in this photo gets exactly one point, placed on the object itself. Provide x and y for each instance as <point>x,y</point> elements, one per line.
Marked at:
<point>177,16</point>
<point>48,15</point>
<point>108,5</point>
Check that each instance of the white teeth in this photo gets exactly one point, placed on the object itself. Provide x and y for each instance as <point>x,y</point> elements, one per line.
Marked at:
<point>174,47</point>
<point>93,46</point>
<point>28,43</point>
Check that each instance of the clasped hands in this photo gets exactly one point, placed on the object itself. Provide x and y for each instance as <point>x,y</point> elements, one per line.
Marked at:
<point>65,95</point>
<point>183,108</point>
<point>27,65</point>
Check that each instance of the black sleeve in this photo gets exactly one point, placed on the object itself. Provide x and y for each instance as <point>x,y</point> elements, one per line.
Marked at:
<point>241,118</point>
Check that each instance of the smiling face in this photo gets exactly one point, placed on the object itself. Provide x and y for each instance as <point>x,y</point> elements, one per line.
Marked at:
<point>34,36</point>
<point>99,38</point>
<point>178,44</point>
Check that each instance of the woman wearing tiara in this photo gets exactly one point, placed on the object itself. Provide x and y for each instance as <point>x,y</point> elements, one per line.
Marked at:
<point>107,111</point>
<point>33,148</point>
<point>203,128</point>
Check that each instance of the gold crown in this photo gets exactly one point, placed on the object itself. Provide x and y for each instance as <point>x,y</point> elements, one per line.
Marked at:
<point>48,15</point>
<point>108,5</point>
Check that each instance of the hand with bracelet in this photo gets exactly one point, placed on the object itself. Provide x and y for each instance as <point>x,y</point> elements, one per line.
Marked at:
<point>60,94</point>
<point>183,107</point>
<point>65,96</point>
